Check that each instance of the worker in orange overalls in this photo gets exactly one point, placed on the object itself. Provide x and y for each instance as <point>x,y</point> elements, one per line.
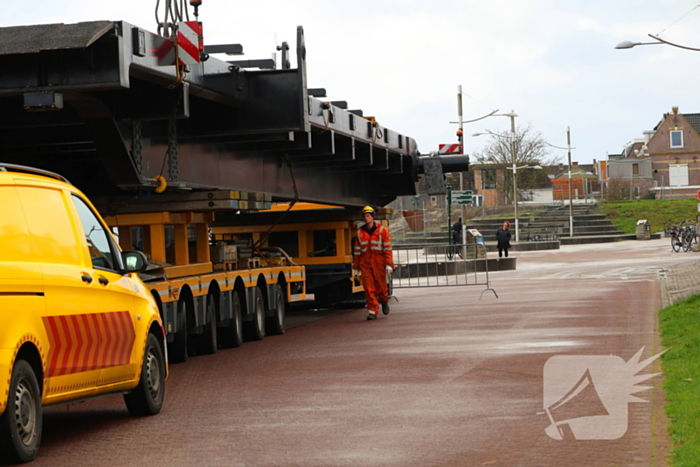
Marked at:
<point>372,260</point>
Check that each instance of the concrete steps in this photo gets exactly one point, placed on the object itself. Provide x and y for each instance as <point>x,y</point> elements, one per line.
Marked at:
<point>589,227</point>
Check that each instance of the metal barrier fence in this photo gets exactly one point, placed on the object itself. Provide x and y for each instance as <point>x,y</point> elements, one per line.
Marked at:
<point>441,265</point>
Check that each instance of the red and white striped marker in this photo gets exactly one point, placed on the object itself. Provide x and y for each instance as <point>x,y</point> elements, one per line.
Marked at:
<point>189,43</point>
<point>450,149</point>
<point>189,38</point>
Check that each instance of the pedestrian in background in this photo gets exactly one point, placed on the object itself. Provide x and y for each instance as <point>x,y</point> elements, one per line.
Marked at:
<point>503,239</point>
<point>457,232</point>
<point>372,261</point>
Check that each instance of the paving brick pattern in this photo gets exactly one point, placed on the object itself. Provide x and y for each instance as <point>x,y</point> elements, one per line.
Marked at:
<point>446,380</point>
<point>682,280</point>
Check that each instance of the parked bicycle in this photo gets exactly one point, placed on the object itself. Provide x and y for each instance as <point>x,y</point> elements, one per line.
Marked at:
<point>683,235</point>
<point>542,236</point>
<point>690,236</point>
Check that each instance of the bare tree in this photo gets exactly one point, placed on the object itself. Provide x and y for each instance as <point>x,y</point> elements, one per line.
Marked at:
<point>617,189</point>
<point>529,148</point>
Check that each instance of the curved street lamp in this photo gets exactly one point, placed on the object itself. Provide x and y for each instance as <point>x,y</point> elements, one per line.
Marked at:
<point>512,116</point>
<point>460,139</point>
<point>630,44</point>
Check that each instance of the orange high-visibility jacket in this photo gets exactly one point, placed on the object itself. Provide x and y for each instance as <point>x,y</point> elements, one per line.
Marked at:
<point>372,250</point>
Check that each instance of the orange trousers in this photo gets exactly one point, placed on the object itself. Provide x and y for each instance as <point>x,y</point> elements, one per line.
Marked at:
<point>374,283</point>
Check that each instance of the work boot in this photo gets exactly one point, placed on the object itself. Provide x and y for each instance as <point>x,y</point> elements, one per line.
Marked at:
<point>371,316</point>
<point>385,308</point>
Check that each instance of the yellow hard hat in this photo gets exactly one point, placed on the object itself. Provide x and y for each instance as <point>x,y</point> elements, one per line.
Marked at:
<point>368,210</point>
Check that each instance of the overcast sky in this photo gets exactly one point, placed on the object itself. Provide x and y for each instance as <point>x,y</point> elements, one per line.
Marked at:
<point>552,62</point>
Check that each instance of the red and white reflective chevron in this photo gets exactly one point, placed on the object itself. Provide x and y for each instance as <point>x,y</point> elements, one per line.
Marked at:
<point>189,35</point>
<point>450,149</point>
<point>88,342</point>
<point>189,44</point>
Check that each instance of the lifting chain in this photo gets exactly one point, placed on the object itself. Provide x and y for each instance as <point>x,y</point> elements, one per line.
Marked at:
<point>137,145</point>
<point>172,150</point>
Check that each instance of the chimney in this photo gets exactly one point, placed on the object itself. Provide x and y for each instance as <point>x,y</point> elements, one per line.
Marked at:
<point>648,135</point>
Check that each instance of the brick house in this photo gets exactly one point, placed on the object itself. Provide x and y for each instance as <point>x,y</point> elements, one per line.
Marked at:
<point>674,148</point>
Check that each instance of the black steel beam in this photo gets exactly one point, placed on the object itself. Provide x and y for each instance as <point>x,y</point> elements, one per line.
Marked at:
<point>128,119</point>
<point>228,49</point>
<point>264,63</point>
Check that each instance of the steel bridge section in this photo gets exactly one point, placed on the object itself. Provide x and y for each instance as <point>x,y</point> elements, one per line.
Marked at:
<point>91,102</point>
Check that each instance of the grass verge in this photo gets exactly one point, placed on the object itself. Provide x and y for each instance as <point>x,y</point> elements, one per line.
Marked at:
<point>625,214</point>
<point>680,334</point>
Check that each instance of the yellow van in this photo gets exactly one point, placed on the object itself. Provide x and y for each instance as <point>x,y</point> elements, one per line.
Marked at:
<point>75,319</point>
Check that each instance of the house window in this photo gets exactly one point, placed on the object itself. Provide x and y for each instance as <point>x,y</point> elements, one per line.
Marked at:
<point>676,139</point>
<point>678,174</point>
<point>488,179</point>
<point>635,169</point>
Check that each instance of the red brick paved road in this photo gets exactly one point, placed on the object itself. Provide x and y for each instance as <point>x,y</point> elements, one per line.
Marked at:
<point>444,380</point>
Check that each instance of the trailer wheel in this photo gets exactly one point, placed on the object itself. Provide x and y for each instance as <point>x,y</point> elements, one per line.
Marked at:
<point>21,424</point>
<point>232,335</point>
<point>255,330</point>
<point>208,343</point>
<point>147,398</point>
<point>178,350</point>
<point>276,323</point>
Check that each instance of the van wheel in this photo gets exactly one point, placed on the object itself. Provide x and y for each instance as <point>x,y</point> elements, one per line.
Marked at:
<point>20,425</point>
<point>276,323</point>
<point>208,341</point>
<point>178,350</point>
<point>147,398</point>
<point>255,330</point>
<point>232,335</point>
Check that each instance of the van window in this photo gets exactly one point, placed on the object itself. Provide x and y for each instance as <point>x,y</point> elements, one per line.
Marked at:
<point>49,222</point>
<point>97,237</point>
<point>15,245</point>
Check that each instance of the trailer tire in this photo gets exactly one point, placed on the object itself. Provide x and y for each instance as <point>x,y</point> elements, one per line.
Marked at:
<point>208,343</point>
<point>276,323</point>
<point>255,330</point>
<point>178,350</point>
<point>147,398</point>
<point>21,424</point>
<point>232,335</point>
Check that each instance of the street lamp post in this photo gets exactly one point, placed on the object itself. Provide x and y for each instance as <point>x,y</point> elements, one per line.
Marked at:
<point>513,151</point>
<point>571,196</point>
<point>460,137</point>
<point>515,177</point>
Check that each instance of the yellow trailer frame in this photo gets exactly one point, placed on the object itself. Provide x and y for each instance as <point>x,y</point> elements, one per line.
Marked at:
<point>198,304</point>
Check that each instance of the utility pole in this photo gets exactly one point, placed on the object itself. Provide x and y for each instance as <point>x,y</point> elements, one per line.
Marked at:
<point>571,208</point>
<point>460,140</point>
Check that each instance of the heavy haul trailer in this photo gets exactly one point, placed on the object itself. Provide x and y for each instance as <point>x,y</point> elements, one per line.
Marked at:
<point>208,302</point>
<point>318,237</point>
<point>163,150</point>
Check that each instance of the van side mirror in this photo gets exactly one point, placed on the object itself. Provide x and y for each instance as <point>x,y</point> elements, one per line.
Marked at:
<point>134,261</point>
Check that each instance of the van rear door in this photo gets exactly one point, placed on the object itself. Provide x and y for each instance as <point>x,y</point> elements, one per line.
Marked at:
<point>21,285</point>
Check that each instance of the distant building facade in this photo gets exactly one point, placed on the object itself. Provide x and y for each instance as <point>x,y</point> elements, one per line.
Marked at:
<point>674,149</point>
<point>628,175</point>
